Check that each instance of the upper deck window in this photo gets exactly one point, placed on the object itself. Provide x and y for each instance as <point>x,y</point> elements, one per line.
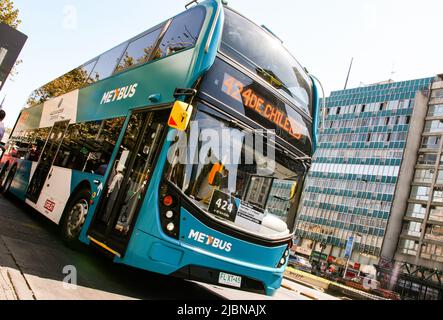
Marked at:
<point>140,50</point>
<point>107,63</point>
<point>183,32</point>
<point>260,52</point>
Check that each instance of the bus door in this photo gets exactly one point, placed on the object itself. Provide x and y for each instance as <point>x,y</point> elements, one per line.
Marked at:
<point>47,158</point>
<point>128,181</point>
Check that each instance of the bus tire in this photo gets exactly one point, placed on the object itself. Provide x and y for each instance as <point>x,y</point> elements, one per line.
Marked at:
<point>74,217</point>
<point>3,171</point>
<point>6,185</point>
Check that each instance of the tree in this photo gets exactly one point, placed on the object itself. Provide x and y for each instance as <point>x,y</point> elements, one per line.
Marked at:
<point>9,14</point>
<point>64,84</point>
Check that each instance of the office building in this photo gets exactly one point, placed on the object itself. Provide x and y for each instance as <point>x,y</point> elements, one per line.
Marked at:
<point>350,189</point>
<point>412,255</point>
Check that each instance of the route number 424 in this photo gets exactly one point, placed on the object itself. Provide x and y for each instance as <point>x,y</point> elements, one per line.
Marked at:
<point>224,205</point>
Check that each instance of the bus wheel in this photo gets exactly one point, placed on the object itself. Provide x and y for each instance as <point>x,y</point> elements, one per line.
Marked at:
<point>74,217</point>
<point>3,171</point>
<point>7,183</point>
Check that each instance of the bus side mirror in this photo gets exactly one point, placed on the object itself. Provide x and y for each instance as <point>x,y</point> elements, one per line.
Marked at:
<point>180,116</point>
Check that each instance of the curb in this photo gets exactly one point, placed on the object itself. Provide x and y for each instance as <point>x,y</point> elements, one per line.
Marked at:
<point>7,291</point>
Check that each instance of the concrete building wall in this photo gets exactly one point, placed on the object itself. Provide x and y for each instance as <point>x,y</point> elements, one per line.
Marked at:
<point>402,192</point>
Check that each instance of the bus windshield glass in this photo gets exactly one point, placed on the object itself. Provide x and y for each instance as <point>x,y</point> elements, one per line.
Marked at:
<point>265,55</point>
<point>232,180</point>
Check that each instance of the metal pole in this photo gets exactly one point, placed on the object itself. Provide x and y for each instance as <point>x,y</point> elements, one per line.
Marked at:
<point>349,73</point>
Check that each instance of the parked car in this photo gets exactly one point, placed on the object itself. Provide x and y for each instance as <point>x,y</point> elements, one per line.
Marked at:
<point>300,263</point>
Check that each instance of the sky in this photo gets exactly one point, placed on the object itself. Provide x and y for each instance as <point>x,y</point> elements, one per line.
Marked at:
<point>388,39</point>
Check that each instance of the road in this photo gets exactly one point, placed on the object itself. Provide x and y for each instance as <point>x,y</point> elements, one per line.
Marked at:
<point>33,258</point>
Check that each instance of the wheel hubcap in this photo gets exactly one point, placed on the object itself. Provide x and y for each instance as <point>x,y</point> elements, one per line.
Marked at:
<point>77,217</point>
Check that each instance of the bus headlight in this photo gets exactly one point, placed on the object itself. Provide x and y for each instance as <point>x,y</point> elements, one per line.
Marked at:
<point>284,258</point>
<point>169,204</point>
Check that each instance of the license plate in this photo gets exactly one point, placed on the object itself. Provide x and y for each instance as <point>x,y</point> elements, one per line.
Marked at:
<point>229,279</point>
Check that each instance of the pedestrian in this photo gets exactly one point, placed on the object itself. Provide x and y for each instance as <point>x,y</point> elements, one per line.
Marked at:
<point>2,126</point>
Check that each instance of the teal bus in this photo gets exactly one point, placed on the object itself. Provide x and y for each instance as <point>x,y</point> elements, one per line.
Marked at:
<point>99,150</point>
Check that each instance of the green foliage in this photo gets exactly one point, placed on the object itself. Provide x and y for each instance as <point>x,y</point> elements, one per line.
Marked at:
<point>64,84</point>
<point>9,14</point>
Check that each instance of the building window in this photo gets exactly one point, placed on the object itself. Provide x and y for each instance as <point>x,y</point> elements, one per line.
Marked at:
<point>408,247</point>
<point>437,196</point>
<point>423,175</point>
<point>432,252</point>
<point>440,177</point>
<point>431,142</point>
<point>434,233</point>
<point>433,126</point>
<point>436,214</point>
<point>435,110</point>
<point>437,94</point>
<point>416,210</point>
<point>427,159</point>
<point>412,229</point>
<point>420,193</point>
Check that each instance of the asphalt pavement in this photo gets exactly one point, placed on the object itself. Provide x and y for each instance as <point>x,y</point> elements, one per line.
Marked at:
<point>34,263</point>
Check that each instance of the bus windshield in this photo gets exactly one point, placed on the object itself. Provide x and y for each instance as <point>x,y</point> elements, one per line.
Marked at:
<point>235,182</point>
<point>263,54</point>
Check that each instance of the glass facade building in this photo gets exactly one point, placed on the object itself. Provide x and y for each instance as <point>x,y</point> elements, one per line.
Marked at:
<point>353,179</point>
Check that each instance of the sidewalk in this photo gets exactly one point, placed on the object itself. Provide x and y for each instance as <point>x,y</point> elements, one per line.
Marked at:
<point>6,288</point>
<point>13,285</point>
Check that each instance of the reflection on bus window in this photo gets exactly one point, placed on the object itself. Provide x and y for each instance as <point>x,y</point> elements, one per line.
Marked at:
<point>27,144</point>
<point>88,146</point>
<point>264,55</point>
<point>107,63</point>
<point>183,32</point>
<point>70,81</point>
<point>270,192</point>
<point>139,51</point>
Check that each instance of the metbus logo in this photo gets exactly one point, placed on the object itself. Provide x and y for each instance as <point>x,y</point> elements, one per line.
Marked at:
<point>210,241</point>
<point>119,94</point>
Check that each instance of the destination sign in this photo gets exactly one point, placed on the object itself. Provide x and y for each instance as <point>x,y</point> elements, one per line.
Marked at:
<point>251,99</point>
<point>241,95</point>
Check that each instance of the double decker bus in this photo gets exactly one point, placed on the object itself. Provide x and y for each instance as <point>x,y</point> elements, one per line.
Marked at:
<point>181,151</point>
